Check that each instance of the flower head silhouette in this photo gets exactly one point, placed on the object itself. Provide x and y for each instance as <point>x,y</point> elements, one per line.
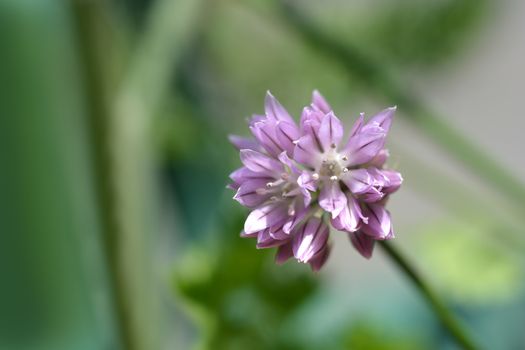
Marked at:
<point>300,179</point>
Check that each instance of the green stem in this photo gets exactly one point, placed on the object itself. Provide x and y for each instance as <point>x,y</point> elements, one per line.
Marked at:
<point>94,45</point>
<point>447,319</point>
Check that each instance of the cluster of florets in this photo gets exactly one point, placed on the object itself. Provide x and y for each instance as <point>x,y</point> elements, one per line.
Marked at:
<point>299,179</point>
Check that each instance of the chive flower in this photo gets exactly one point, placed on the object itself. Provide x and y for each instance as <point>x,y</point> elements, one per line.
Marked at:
<point>298,180</point>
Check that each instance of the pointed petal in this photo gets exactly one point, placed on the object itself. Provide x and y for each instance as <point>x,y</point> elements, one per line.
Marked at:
<point>256,118</point>
<point>362,243</point>
<point>365,145</point>
<point>379,225</point>
<point>249,193</point>
<point>307,181</point>
<point>287,134</point>
<point>274,110</point>
<point>278,233</point>
<point>358,125</point>
<point>233,186</point>
<point>265,216</point>
<point>283,157</point>
<point>310,239</point>
<point>331,198</point>
<point>320,259</point>
<point>265,240</point>
<point>244,174</point>
<point>380,159</point>
<point>310,125</point>
<point>265,132</point>
<point>372,195</point>
<point>378,178</point>
<point>249,235</point>
<point>312,116</point>
<point>307,197</point>
<point>260,163</point>
<point>330,131</point>
<point>384,118</point>
<point>319,102</point>
<point>349,219</point>
<point>394,181</point>
<point>358,180</point>
<point>307,152</point>
<point>390,234</point>
<point>284,253</point>
<point>293,221</point>
<point>244,143</point>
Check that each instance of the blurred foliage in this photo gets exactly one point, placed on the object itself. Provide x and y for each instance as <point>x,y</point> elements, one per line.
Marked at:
<point>469,268</point>
<point>407,32</point>
<point>365,335</point>
<point>236,295</point>
<point>54,285</point>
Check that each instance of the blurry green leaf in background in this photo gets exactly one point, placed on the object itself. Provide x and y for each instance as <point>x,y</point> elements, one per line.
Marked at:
<point>54,283</point>
<point>469,268</point>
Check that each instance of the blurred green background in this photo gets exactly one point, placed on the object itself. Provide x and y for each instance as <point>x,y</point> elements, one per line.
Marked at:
<point>117,231</point>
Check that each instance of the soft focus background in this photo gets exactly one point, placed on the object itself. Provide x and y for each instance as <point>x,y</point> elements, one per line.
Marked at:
<point>117,231</point>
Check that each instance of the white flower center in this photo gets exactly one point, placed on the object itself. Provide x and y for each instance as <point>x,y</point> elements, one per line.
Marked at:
<point>332,166</point>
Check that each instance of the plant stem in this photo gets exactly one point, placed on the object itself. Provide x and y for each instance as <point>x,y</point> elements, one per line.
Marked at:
<point>89,18</point>
<point>447,319</point>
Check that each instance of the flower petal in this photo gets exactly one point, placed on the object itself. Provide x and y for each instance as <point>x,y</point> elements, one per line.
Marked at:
<point>362,243</point>
<point>358,180</point>
<point>284,252</point>
<point>244,143</point>
<point>276,232</point>
<point>264,132</point>
<point>256,118</point>
<point>260,163</point>
<point>330,131</point>
<point>384,118</point>
<point>307,152</point>
<point>357,125</point>
<point>380,159</point>
<point>249,193</point>
<point>265,240</point>
<point>265,216</point>
<point>294,220</point>
<point>307,181</point>
<point>283,157</point>
<point>365,145</point>
<point>312,117</point>
<point>249,235</point>
<point>394,181</point>
<point>349,219</point>
<point>319,102</point>
<point>320,258</point>
<point>233,186</point>
<point>244,174</point>
<point>287,134</point>
<point>275,110</point>
<point>379,225</point>
<point>372,195</point>
<point>378,178</point>
<point>310,239</point>
<point>331,198</point>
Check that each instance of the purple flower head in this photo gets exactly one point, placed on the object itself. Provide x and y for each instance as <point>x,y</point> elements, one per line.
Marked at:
<point>299,179</point>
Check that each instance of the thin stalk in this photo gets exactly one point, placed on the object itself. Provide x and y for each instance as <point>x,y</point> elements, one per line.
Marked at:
<point>449,322</point>
<point>94,45</point>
